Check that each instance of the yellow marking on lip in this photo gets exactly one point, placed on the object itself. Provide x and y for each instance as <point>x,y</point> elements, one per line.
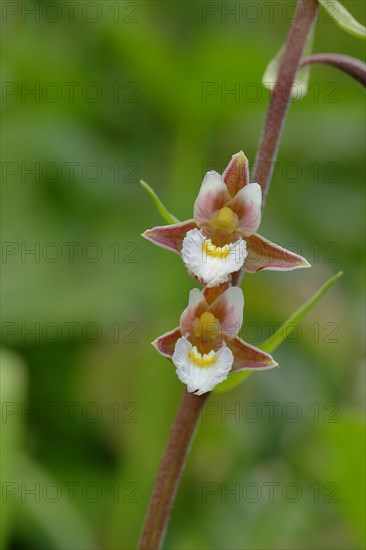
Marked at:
<point>216,251</point>
<point>202,361</point>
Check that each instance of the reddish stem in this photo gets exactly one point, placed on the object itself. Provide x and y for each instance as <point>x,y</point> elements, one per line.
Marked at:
<point>280,97</point>
<point>353,67</point>
<point>170,472</point>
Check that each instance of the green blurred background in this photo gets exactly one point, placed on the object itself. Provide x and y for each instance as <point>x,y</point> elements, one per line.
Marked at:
<point>87,402</point>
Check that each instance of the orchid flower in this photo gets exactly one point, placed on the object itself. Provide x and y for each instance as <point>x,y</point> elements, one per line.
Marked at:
<point>205,347</point>
<point>222,238</point>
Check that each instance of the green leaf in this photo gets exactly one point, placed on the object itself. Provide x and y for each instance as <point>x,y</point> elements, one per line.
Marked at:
<point>300,86</point>
<point>13,392</point>
<point>170,218</point>
<point>232,381</point>
<point>343,18</point>
<point>279,336</point>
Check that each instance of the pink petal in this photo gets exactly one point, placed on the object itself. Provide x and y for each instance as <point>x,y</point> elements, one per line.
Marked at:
<point>247,205</point>
<point>263,254</point>
<point>249,357</point>
<point>196,306</point>
<point>213,195</point>
<point>170,236</point>
<point>236,175</point>
<point>165,344</point>
<point>228,309</point>
<point>195,295</point>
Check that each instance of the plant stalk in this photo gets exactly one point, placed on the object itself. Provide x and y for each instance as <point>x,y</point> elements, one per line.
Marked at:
<point>349,65</point>
<point>280,97</point>
<point>171,469</point>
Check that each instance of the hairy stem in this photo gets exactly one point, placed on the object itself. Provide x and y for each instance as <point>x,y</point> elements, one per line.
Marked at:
<point>170,472</point>
<point>281,94</point>
<point>349,65</point>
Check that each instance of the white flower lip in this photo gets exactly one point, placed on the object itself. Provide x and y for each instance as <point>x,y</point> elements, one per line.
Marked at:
<point>213,267</point>
<point>201,379</point>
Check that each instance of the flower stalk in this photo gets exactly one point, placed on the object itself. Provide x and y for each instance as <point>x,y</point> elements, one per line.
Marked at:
<point>171,469</point>
<point>280,97</point>
<point>349,65</point>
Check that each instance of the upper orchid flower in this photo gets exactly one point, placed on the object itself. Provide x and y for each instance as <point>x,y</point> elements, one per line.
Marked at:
<point>222,236</point>
<point>205,347</point>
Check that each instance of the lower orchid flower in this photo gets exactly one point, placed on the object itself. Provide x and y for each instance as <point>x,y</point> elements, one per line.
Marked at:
<point>205,347</point>
<point>222,238</point>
